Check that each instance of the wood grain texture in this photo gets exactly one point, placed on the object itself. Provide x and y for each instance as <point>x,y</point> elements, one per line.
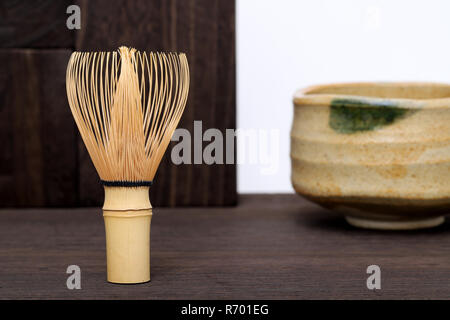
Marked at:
<point>35,24</point>
<point>38,158</point>
<point>269,247</point>
<point>205,30</point>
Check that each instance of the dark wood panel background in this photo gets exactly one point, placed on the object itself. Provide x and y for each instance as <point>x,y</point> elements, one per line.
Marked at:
<point>37,139</point>
<point>38,158</point>
<point>35,24</point>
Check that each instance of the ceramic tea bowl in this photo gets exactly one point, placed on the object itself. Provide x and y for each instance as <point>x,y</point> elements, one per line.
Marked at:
<point>379,153</point>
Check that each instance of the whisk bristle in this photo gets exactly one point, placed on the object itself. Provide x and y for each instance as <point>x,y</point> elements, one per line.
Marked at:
<point>127,105</point>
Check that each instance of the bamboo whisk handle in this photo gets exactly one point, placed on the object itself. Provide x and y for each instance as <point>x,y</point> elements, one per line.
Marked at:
<point>127,214</point>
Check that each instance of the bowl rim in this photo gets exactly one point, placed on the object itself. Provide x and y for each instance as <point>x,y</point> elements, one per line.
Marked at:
<point>306,96</point>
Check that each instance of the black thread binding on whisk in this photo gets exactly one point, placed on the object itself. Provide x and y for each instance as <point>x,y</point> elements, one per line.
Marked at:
<point>127,183</point>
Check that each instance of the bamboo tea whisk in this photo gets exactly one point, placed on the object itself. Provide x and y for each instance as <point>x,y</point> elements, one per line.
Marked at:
<point>127,105</point>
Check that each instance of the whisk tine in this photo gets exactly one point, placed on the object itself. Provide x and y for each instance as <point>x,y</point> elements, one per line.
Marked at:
<point>127,105</point>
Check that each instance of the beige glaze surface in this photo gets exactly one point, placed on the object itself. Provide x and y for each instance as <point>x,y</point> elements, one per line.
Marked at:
<point>374,151</point>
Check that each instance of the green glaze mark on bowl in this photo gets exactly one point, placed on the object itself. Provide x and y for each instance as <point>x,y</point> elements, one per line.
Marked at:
<point>350,116</point>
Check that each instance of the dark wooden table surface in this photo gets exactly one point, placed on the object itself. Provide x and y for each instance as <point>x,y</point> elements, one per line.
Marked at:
<point>269,247</point>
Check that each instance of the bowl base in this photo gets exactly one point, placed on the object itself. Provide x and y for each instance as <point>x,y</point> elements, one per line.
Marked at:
<point>415,224</point>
